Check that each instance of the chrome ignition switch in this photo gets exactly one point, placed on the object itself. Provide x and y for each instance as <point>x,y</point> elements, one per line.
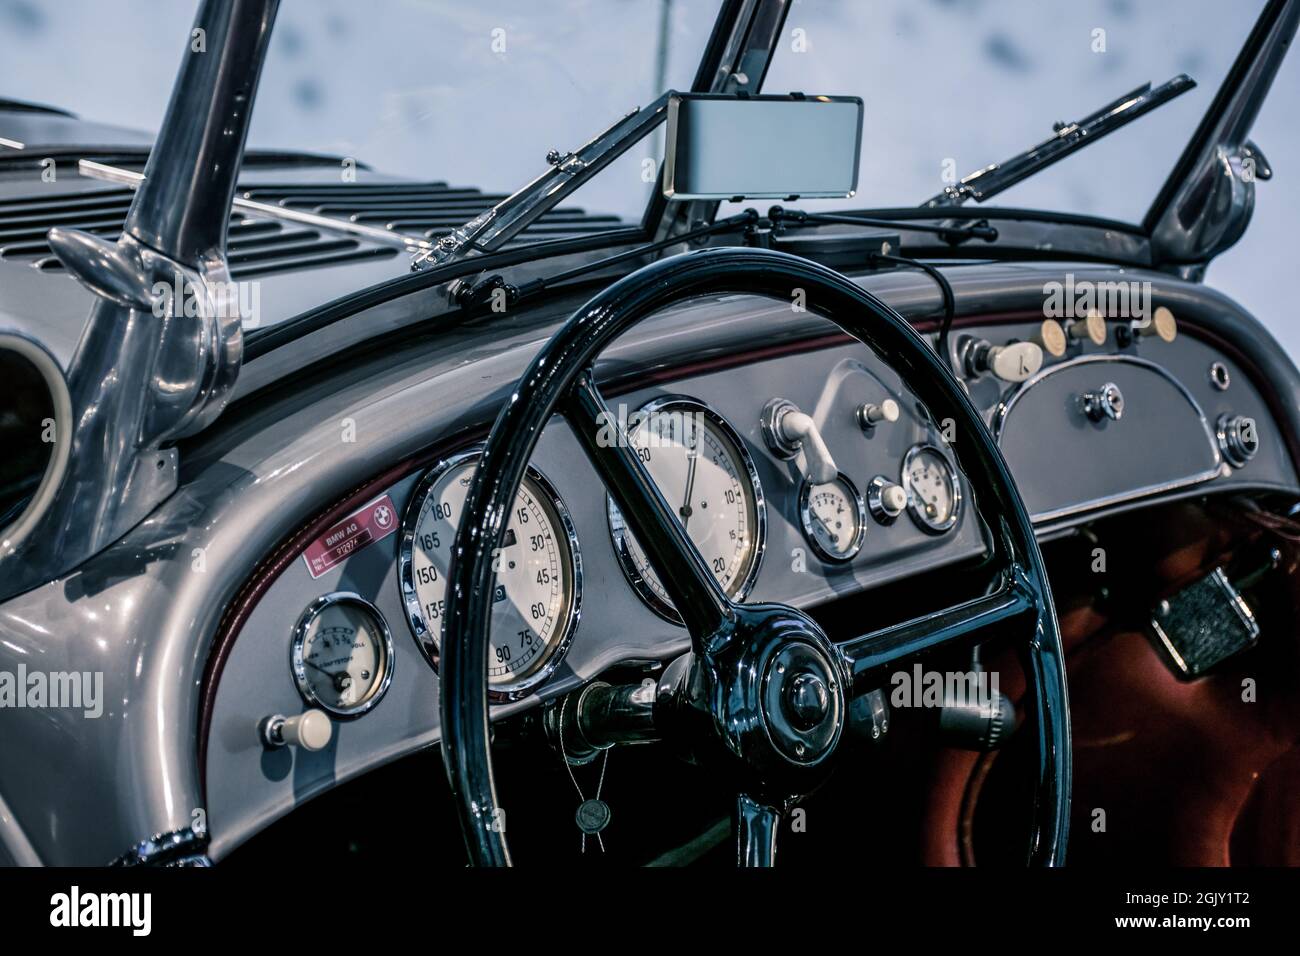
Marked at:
<point>1105,402</point>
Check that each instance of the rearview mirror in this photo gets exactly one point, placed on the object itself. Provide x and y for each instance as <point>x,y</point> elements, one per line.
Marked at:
<point>762,147</point>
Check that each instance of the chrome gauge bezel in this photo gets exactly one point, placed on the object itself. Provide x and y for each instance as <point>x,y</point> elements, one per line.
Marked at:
<point>424,640</point>
<point>913,508</point>
<point>806,518</point>
<point>619,532</point>
<point>298,666</point>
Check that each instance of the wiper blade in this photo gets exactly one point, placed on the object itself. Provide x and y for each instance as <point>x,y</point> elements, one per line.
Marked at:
<point>986,183</point>
<point>495,227</point>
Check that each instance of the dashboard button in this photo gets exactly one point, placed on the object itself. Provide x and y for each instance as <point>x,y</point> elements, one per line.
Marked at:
<point>1091,327</point>
<point>871,414</point>
<point>1051,338</point>
<point>1238,439</point>
<point>886,499</point>
<point>1104,402</point>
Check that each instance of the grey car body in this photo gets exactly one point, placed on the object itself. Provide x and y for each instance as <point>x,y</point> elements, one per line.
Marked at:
<point>365,376</point>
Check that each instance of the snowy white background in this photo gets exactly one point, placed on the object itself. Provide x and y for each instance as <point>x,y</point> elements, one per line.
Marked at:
<point>424,88</point>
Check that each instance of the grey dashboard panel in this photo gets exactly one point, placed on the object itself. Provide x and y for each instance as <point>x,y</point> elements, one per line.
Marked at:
<point>1054,457</point>
<point>1044,429</point>
<point>248,785</point>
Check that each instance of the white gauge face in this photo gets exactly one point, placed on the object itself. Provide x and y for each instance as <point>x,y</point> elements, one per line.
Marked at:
<point>933,495</point>
<point>535,591</point>
<point>707,478</point>
<point>342,655</point>
<point>833,516</point>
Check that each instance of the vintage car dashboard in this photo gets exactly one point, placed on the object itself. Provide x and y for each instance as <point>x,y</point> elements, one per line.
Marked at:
<point>350,624</point>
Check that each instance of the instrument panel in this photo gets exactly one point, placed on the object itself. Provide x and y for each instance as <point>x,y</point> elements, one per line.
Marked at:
<point>714,469</point>
<point>793,529</point>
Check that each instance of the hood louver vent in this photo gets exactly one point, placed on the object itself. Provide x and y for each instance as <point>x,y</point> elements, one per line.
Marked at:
<point>260,247</point>
<point>257,247</point>
<point>429,210</point>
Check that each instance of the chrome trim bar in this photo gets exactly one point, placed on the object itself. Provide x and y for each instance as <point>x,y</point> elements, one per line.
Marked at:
<point>401,240</point>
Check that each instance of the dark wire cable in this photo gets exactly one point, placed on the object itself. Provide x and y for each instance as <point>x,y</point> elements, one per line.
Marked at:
<point>945,288</point>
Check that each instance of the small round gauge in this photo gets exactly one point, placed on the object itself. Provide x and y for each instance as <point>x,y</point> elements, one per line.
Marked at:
<point>342,654</point>
<point>834,518</point>
<point>538,575</point>
<point>933,492</point>
<point>708,477</point>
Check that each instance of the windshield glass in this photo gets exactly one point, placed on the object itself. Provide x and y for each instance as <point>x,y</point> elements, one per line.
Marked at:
<point>951,86</point>
<point>472,94</point>
<point>475,94</point>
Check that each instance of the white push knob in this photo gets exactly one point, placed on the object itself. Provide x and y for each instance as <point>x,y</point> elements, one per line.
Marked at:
<point>1015,362</point>
<point>1051,338</point>
<point>870,415</point>
<point>1091,327</point>
<point>310,730</point>
<point>886,499</point>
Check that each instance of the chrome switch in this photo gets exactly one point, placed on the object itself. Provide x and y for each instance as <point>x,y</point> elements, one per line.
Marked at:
<point>1104,402</point>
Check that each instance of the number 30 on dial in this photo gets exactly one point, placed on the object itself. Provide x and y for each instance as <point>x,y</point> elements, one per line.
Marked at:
<point>538,575</point>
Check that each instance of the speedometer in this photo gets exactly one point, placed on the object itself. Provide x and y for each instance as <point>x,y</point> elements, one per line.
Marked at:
<point>708,478</point>
<point>538,574</point>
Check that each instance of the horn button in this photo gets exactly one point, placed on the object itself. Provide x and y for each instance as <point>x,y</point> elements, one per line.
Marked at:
<point>802,702</point>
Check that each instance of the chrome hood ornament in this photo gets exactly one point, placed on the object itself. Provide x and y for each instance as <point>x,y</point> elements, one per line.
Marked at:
<point>162,348</point>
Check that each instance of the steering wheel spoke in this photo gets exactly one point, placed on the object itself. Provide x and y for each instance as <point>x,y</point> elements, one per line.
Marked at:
<point>695,592</point>
<point>755,824</point>
<point>1011,608</point>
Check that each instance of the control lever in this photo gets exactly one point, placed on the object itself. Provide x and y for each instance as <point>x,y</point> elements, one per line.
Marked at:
<point>1013,362</point>
<point>788,431</point>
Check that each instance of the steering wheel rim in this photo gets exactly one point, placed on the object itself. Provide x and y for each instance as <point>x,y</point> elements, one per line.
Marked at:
<point>559,380</point>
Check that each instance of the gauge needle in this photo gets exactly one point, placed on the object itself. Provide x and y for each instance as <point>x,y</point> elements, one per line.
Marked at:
<point>691,458</point>
<point>342,679</point>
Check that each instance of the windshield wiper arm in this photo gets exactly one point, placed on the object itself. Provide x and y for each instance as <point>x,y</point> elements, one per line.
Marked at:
<point>492,229</point>
<point>986,183</point>
<point>954,234</point>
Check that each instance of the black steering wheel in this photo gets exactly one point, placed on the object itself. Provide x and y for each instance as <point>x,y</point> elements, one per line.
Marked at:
<point>763,694</point>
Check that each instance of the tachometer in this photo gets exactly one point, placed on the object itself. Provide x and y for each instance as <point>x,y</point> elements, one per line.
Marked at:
<point>834,518</point>
<point>342,654</point>
<point>933,492</point>
<point>538,574</point>
<point>708,477</point>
